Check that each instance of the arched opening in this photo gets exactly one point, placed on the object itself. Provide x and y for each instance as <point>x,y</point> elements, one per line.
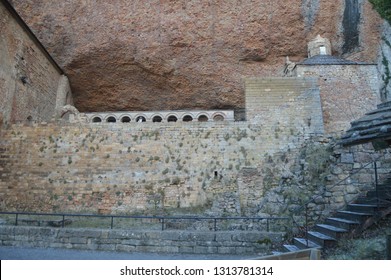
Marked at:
<point>203,118</point>
<point>157,119</point>
<point>172,118</point>
<point>141,119</point>
<point>111,119</point>
<point>218,118</point>
<point>125,119</point>
<point>187,118</point>
<point>96,120</point>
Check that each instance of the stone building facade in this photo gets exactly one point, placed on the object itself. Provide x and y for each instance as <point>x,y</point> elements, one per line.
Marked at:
<point>347,89</point>
<point>31,83</point>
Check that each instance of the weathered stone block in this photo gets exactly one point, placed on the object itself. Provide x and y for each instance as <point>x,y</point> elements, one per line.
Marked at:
<point>119,234</point>
<point>79,246</point>
<point>7,230</point>
<point>347,158</point>
<point>186,249</point>
<point>227,250</point>
<point>106,247</point>
<point>125,248</point>
<point>352,190</point>
<point>206,250</point>
<point>88,233</point>
<point>78,240</point>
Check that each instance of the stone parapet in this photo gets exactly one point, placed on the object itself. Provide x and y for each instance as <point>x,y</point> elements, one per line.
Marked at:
<point>224,242</point>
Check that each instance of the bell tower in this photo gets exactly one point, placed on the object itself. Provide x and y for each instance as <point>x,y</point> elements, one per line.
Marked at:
<point>319,46</point>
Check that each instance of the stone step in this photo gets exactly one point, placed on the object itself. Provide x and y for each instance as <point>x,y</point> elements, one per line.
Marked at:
<point>385,186</point>
<point>290,248</point>
<point>342,223</point>
<point>354,216</point>
<point>301,243</point>
<point>383,203</point>
<point>322,239</point>
<point>363,208</point>
<point>333,231</point>
<point>383,194</point>
<point>366,200</point>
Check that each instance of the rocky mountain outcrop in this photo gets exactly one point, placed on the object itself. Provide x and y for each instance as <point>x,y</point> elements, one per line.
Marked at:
<point>181,54</point>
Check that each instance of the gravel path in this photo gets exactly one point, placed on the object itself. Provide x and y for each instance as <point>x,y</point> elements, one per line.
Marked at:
<point>24,253</point>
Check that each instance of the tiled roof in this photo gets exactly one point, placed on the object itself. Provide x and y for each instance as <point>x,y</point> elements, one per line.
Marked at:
<point>374,127</point>
<point>328,60</point>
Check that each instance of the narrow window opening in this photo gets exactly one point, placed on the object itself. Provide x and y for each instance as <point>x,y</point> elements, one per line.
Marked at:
<point>96,120</point>
<point>218,118</point>
<point>111,120</point>
<point>187,118</point>
<point>140,119</point>
<point>172,119</point>
<point>157,119</point>
<point>203,118</point>
<point>125,119</point>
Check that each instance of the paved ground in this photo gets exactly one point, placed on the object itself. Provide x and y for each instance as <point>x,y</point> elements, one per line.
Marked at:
<point>24,253</point>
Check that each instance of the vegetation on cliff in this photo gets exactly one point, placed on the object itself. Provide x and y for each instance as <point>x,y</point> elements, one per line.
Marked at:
<point>383,7</point>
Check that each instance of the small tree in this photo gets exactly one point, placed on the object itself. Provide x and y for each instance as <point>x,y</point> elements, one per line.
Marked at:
<point>383,7</point>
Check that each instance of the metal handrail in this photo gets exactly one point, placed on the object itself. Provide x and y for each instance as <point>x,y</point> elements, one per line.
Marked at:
<point>305,205</point>
<point>162,219</point>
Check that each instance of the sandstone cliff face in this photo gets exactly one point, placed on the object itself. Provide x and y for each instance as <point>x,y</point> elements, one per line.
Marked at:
<point>181,54</point>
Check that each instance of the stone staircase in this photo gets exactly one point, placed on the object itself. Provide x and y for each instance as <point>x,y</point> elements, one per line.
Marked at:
<point>356,217</point>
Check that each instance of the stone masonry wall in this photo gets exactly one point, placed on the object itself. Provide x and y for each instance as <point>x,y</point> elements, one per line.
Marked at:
<point>347,92</point>
<point>322,171</point>
<point>174,168</point>
<point>28,79</point>
<point>117,167</point>
<point>141,241</point>
<point>287,103</point>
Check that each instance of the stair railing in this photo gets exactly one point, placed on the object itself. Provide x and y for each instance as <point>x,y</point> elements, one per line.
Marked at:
<point>305,205</point>
<point>377,187</point>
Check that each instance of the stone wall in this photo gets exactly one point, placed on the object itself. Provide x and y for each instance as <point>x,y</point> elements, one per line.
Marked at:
<point>285,103</point>
<point>117,167</point>
<point>347,92</point>
<point>29,78</point>
<point>321,172</point>
<point>175,168</point>
<point>141,241</point>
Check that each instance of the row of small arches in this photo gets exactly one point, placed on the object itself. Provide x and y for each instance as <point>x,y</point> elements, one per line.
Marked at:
<point>157,119</point>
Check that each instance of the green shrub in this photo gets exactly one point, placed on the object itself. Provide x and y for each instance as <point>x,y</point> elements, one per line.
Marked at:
<point>360,249</point>
<point>383,7</point>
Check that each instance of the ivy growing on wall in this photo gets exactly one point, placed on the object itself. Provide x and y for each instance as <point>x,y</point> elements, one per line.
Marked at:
<point>383,7</point>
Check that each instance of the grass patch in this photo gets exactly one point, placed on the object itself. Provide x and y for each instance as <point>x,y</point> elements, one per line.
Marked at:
<point>370,246</point>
